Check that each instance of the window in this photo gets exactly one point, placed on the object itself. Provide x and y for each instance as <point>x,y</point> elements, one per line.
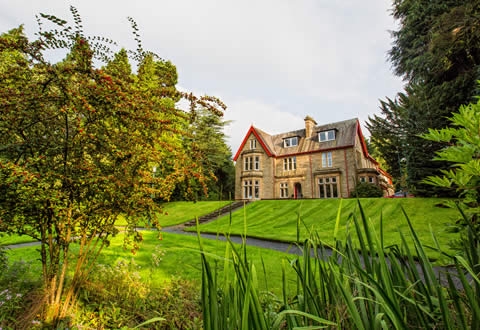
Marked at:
<point>256,189</point>
<point>371,179</point>
<point>328,187</point>
<point>253,144</point>
<point>251,189</point>
<point>247,165</point>
<point>363,179</point>
<point>283,190</point>
<point>327,159</point>
<point>290,163</point>
<point>327,135</point>
<point>251,163</point>
<point>290,142</point>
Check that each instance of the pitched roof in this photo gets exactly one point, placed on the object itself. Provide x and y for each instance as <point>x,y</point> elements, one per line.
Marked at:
<point>345,134</point>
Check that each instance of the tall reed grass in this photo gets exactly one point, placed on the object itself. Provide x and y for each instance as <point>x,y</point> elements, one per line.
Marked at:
<point>367,286</point>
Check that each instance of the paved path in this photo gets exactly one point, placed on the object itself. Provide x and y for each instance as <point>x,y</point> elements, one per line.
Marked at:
<point>275,245</point>
<point>296,249</point>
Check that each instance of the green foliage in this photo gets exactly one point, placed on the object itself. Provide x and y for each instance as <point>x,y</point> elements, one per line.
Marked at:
<point>277,219</point>
<point>211,150</point>
<point>463,153</point>
<point>436,51</point>
<point>372,286</point>
<point>175,213</point>
<point>18,288</point>
<point>78,144</point>
<point>236,303</point>
<point>169,284</point>
<point>117,296</point>
<point>366,189</point>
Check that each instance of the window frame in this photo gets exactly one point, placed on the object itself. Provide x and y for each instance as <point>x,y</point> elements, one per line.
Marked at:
<point>288,142</point>
<point>328,187</point>
<point>290,163</point>
<point>283,189</point>
<point>251,189</point>
<point>256,163</point>
<point>328,135</point>
<point>251,163</point>
<point>327,159</point>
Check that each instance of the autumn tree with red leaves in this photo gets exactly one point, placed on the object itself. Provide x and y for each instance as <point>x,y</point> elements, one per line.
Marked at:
<point>78,145</point>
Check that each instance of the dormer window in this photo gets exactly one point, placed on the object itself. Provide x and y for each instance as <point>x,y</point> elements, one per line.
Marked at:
<point>290,142</point>
<point>326,135</point>
<point>253,144</point>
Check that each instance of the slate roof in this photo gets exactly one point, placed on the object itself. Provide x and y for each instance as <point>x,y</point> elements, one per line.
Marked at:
<point>345,133</point>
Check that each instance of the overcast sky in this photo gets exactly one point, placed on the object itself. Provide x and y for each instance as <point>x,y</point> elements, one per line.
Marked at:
<point>272,62</point>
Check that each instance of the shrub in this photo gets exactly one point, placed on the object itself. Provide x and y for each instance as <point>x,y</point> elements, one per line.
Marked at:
<point>18,294</point>
<point>366,189</point>
<point>116,296</point>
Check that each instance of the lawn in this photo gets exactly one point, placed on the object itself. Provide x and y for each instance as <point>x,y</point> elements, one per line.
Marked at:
<point>173,213</point>
<point>180,258</point>
<point>277,219</point>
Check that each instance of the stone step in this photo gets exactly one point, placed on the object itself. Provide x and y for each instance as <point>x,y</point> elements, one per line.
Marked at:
<point>217,213</point>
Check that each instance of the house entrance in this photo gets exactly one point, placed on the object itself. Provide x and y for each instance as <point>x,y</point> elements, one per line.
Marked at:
<point>297,193</point>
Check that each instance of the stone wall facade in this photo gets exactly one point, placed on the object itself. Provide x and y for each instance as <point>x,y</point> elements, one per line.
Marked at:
<point>317,173</point>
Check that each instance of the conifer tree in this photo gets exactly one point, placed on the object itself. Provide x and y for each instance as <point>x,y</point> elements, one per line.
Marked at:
<point>437,51</point>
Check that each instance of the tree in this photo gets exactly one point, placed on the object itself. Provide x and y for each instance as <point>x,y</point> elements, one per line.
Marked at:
<point>388,135</point>
<point>209,138</point>
<point>78,145</point>
<point>463,155</point>
<point>437,51</point>
<point>207,144</point>
<point>463,176</point>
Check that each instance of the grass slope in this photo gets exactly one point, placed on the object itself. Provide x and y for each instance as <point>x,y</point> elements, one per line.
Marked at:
<point>277,219</point>
<point>180,257</point>
<point>173,214</point>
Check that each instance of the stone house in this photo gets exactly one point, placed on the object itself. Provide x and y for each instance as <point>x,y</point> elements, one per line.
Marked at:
<point>318,161</point>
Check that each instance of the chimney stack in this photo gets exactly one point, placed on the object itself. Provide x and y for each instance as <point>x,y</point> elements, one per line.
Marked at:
<point>309,126</point>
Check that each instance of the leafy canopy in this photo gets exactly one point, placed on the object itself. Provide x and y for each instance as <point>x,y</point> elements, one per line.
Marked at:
<point>436,49</point>
<point>78,145</point>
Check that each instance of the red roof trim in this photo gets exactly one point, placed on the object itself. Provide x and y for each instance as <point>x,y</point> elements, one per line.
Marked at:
<point>259,139</point>
<point>365,151</point>
<point>363,144</point>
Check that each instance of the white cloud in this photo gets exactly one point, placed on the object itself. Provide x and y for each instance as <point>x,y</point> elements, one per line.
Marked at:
<point>272,61</point>
<point>267,117</point>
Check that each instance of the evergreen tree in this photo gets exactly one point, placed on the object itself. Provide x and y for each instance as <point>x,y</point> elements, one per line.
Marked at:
<point>211,150</point>
<point>437,51</point>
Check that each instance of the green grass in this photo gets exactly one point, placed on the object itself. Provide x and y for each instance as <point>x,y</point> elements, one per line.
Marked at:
<point>174,213</point>
<point>181,258</point>
<point>277,220</point>
<point>14,239</point>
<point>351,289</point>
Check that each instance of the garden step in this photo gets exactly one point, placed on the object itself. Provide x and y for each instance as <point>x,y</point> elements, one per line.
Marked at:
<point>217,213</point>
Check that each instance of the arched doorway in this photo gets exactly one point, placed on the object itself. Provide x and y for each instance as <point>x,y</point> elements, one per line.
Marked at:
<point>297,193</point>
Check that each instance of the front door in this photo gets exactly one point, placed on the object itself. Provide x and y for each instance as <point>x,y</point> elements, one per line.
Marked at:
<point>297,193</point>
